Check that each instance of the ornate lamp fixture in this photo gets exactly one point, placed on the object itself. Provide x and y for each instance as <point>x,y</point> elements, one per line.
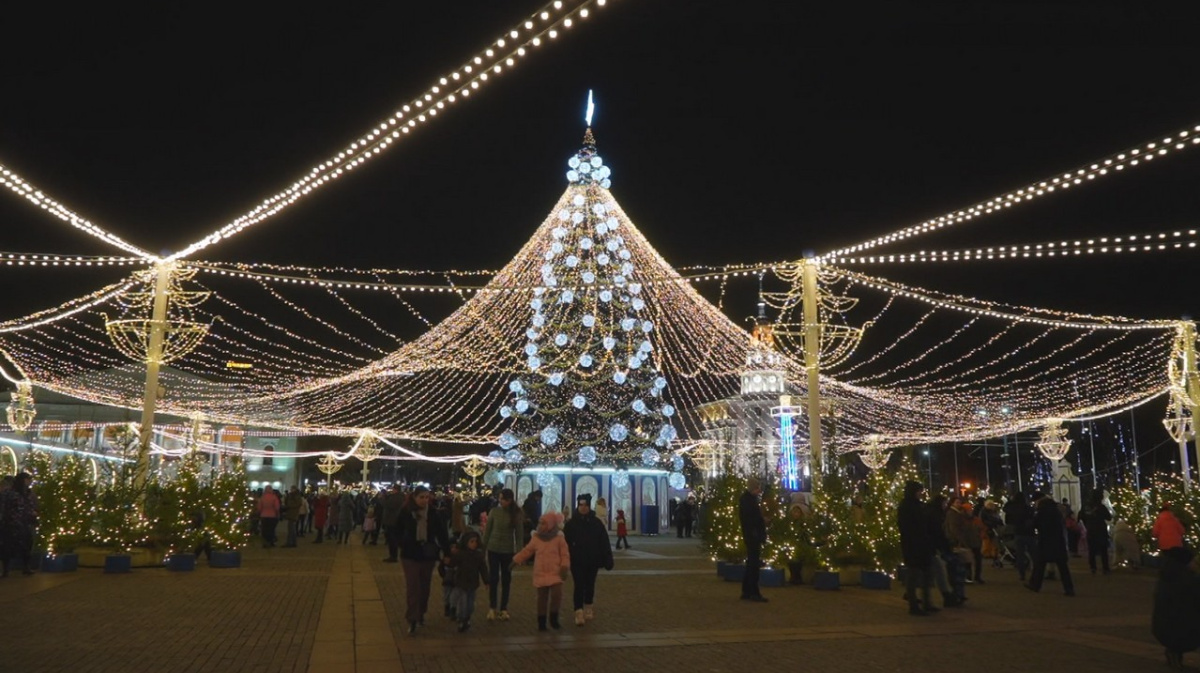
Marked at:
<point>1053,442</point>
<point>21,410</point>
<point>873,454</point>
<point>131,334</point>
<point>329,465</point>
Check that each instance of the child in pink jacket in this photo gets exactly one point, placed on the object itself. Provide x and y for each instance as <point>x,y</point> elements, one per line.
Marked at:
<point>551,563</point>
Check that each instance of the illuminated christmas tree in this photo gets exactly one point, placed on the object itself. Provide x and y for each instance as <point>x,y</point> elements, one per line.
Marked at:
<point>227,505</point>
<point>592,388</point>
<point>65,496</point>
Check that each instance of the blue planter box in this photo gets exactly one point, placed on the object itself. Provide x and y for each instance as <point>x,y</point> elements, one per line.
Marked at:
<point>181,562</point>
<point>63,563</point>
<point>225,559</point>
<point>873,579</point>
<point>721,565</point>
<point>770,577</point>
<point>735,572</point>
<point>826,581</point>
<point>118,563</point>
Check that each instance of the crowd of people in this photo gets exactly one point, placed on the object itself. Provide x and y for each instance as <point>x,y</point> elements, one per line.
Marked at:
<point>465,545</point>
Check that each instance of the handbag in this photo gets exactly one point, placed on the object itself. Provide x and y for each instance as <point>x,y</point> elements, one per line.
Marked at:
<point>430,551</point>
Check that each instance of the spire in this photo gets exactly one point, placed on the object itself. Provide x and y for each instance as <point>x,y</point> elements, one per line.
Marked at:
<point>586,167</point>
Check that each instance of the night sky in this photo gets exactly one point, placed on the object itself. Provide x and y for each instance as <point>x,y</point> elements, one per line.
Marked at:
<point>737,132</point>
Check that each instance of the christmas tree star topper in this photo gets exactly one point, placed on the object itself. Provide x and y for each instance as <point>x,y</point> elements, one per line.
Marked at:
<point>591,108</point>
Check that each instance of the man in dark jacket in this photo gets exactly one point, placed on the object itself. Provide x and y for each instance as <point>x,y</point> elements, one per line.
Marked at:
<point>1052,545</point>
<point>1019,515</point>
<point>1176,619</point>
<point>587,540</point>
<point>291,512</point>
<point>533,512</point>
<point>1095,518</point>
<point>916,547</point>
<point>393,502</point>
<point>754,534</point>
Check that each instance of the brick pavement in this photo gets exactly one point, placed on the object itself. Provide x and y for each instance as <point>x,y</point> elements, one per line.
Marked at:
<point>336,608</point>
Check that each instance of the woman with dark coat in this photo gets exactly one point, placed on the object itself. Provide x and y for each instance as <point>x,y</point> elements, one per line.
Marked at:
<point>1176,619</point>
<point>1052,545</point>
<point>18,520</point>
<point>587,540</point>
<point>423,542</point>
<point>916,547</point>
<point>1095,518</point>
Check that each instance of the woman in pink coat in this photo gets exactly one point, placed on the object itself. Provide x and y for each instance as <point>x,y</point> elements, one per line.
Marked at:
<point>551,563</point>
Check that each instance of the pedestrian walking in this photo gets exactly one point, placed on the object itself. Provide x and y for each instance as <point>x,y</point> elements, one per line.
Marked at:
<point>1167,529</point>
<point>590,550</point>
<point>320,515</point>
<point>423,541</point>
<point>1095,518</point>
<point>502,537</point>
<point>291,512</point>
<point>551,562</point>
<point>622,530</point>
<point>470,569</point>
<point>302,523</point>
<point>754,534</point>
<point>18,522</point>
<point>393,504</point>
<point>1019,515</point>
<point>269,508</point>
<point>1176,618</point>
<point>602,512</point>
<point>1051,545</point>
<point>916,547</point>
<point>345,516</point>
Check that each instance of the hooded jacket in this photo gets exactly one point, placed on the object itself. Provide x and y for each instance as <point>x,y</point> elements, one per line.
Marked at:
<point>469,566</point>
<point>551,557</point>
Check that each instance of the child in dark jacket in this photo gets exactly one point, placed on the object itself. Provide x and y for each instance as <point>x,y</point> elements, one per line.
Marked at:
<point>470,570</point>
<point>447,574</point>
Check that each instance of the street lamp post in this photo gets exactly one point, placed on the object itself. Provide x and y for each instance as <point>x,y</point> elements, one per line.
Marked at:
<point>929,463</point>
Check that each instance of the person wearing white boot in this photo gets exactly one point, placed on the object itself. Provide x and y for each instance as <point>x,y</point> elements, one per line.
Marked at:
<point>587,538</point>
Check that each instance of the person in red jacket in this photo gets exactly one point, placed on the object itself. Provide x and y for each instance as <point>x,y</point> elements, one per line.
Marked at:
<point>320,515</point>
<point>1167,529</point>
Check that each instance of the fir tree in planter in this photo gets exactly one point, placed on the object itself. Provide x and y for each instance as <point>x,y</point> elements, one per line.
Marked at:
<point>227,505</point>
<point>65,496</point>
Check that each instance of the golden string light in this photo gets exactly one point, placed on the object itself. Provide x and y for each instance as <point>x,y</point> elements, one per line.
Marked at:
<point>1112,164</point>
<point>498,57</point>
<point>1160,242</point>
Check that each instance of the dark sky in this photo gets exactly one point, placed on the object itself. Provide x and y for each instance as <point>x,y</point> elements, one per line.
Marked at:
<point>737,132</point>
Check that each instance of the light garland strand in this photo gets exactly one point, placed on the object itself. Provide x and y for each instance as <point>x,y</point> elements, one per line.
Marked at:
<point>1114,163</point>
<point>497,58</point>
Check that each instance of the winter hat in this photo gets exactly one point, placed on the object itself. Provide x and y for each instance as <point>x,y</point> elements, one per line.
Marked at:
<point>584,499</point>
<point>555,518</point>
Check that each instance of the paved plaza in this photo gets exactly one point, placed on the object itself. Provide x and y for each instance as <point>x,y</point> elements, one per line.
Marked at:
<point>329,608</point>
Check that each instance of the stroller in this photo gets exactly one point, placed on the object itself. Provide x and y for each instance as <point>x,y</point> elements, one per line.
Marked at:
<point>1006,546</point>
<point>957,570</point>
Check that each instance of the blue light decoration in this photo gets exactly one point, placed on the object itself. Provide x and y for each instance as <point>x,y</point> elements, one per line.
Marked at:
<point>579,401</point>
<point>650,457</point>
<point>787,439</point>
<point>618,432</point>
<point>549,435</point>
<point>545,479</point>
<point>514,456</point>
<point>677,463</point>
<point>677,481</point>
<point>587,454</point>
<point>508,440</point>
<point>620,479</point>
